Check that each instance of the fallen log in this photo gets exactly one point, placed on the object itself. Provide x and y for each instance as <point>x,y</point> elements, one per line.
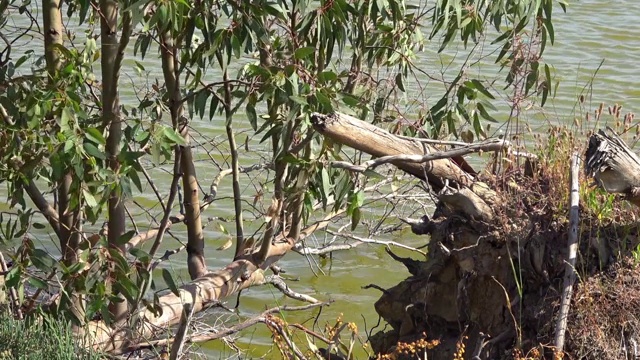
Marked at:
<point>201,293</point>
<point>378,142</point>
<point>458,189</point>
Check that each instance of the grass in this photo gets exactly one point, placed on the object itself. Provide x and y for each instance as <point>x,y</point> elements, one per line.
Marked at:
<point>38,338</point>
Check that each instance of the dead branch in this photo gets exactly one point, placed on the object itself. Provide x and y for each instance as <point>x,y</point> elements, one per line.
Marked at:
<point>166,256</point>
<point>176,347</point>
<point>378,242</point>
<point>302,249</point>
<point>413,266</point>
<point>378,142</point>
<point>281,285</point>
<point>569,272</point>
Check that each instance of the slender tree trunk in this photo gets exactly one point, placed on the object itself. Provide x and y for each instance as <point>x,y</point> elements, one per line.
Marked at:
<point>52,33</point>
<point>195,241</point>
<point>52,19</point>
<point>111,121</point>
<point>237,201</point>
<point>69,235</point>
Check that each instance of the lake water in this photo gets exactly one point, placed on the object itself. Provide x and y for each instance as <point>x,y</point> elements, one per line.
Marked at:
<point>590,32</point>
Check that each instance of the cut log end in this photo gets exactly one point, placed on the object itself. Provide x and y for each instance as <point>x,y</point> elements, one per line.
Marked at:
<point>611,163</point>
<point>320,121</point>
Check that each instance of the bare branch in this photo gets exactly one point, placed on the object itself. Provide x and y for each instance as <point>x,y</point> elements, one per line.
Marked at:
<point>281,285</point>
<point>491,145</point>
<point>379,242</point>
<point>176,348</point>
<point>164,223</point>
<point>43,205</point>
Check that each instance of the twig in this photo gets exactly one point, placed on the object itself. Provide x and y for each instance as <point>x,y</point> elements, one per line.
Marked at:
<point>377,287</point>
<point>164,223</point>
<point>176,347</point>
<point>279,284</point>
<point>12,291</point>
<point>43,205</point>
<point>480,344</point>
<point>166,256</point>
<point>153,185</point>
<point>379,242</point>
<point>569,272</point>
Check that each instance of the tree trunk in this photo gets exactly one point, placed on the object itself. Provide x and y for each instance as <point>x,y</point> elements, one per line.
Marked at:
<point>195,241</point>
<point>111,121</point>
<point>52,18</point>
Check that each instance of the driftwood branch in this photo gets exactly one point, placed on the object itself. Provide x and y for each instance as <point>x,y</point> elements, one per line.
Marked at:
<point>281,285</point>
<point>569,272</point>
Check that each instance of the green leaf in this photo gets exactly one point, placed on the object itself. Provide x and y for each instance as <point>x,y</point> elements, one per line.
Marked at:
<point>12,279</point>
<point>126,237</point>
<point>251,115</point>
<point>373,174</point>
<point>480,87</point>
<point>355,218</point>
<point>140,254</point>
<point>38,283</point>
<point>127,287</point>
<point>168,279</point>
<point>485,114</point>
<point>92,150</point>
<point>302,53</point>
<point>95,135</point>
<point>173,136</point>
<point>299,100</point>
<point>547,86</point>
<point>399,82</point>
<point>89,199</point>
<point>38,226</point>
<point>42,260</point>
<point>326,183</point>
